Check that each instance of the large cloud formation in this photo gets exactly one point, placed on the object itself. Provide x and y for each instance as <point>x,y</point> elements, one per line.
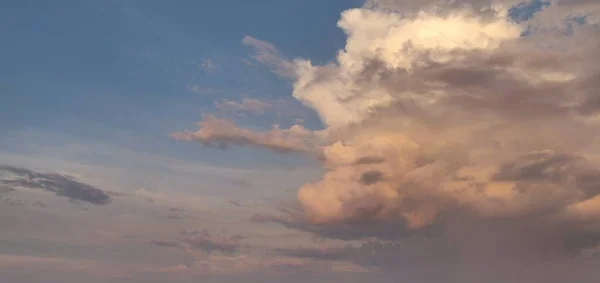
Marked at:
<point>437,111</point>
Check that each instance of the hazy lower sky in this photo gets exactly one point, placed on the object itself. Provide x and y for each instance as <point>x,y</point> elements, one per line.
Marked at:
<point>417,141</point>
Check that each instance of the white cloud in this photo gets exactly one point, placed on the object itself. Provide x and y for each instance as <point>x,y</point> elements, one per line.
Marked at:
<point>446,97</point>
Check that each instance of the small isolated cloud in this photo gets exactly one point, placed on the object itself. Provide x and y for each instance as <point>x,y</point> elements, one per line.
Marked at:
<point>221,133</point>
<point>61,185</point>
<point>251,105</point>
<point>202,90</point>
<point>176,217</point>
<point>209,66</point>
<point>174,269</point>
<point>325,253</point>
<point>167,244</point>
<point>205,241</point>
<point>280,109</point>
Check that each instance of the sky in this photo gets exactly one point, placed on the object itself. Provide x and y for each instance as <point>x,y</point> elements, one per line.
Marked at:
<point>417,141</point>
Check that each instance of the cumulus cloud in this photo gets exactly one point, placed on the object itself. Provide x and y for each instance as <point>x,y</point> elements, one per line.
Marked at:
<point>449,95</point>
<point>438,112</point>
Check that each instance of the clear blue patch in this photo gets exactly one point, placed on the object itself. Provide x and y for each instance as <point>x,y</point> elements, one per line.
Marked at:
<point>526,10</point>
<point>574,21</point>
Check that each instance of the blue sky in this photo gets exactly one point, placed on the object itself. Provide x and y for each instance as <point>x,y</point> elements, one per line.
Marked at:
<point>94,88</point>
<point>310,141</point>
<point>113,70</point>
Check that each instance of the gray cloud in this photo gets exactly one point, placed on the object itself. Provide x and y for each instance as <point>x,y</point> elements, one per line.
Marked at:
<point>167,244</point>
<point>315,253</point>
<point>371,177</point>
<point>205,241</point>
<point>390,229</point>
<point>61,185</point>
<point>547,165</point>
<point>369,160</point>
<point>176,217</point>
<point>6,189</point>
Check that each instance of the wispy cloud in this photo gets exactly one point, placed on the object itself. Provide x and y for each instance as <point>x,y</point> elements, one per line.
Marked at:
<point>65,186</point>
<point>209,66</point>
<point>251,105</point>
<point>221,133</point>
<point>203,90</point>
<point>325,253</point>
<point>268,54</point>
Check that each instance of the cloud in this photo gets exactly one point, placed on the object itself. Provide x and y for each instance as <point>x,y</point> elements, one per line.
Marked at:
<point>267,53</point>
<point>371,177</point>
<point>208,243</point>
<point>204,241</point>
<point>221,133</point>
<point>209,66</point>
<point>347,230</point>
<point>61,185</point>
<point>369,160</point>
<point>6,189</point>
<point>202,90</point>
<point>455,121</point>
<point>251,105</point>
<point>437,111</point>
<point>62,264</point>
<point>167,244</point>
<point>439,94</point>
<point>315,253</point>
